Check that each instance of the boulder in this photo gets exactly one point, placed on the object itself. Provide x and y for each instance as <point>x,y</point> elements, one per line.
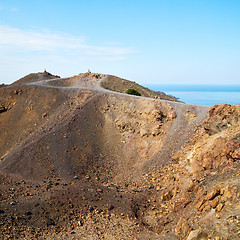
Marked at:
<point>182,227</point>
<point>197,235</point>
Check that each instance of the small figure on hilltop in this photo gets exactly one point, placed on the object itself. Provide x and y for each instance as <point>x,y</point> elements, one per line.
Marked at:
<point>45,72</point>
<point>48,74</point>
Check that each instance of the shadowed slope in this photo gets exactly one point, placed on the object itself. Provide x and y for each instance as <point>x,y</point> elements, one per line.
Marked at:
<point>126,130</point>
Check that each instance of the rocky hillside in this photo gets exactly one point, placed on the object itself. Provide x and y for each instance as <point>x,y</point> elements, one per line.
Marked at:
<point>35,77</point>
<point>122,85</point>
<point>79,161</point>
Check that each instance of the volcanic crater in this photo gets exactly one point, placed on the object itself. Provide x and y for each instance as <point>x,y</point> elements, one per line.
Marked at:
<point>81,159</point>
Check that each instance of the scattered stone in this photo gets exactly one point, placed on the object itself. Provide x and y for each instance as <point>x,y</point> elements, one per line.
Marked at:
<point>44,115</point>
<point>185,201</point>
<point>213,194</point>
<point>16,92</point>
<point>110,207</point>
<point>182,227</point>
<point>215,201</point>
<point>80,222</point>
<point>99,190</point>
<point>219,206</point>
<point>197,235</point>
<point>167,196</point>
<point>172,115</point>
<point>207,207</point>
<point>236,154</point>
<point>200,203</point>
<point>136,212</point>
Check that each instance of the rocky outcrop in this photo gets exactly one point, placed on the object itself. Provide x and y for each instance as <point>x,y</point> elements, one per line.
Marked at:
<point>221,117</point>
<point>216,144</point>
<point>211,161</point>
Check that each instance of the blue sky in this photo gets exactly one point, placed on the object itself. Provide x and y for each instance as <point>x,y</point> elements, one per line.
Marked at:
<point>150,42</point>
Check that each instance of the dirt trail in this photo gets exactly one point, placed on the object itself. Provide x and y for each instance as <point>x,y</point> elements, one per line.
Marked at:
<point>188,116</point>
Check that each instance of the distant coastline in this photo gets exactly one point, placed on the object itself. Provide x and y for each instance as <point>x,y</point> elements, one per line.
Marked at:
<point>202,94</point>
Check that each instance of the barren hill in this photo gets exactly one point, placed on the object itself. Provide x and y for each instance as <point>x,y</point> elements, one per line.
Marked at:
<point>80,159</point>
<point>121,85</point>
<point>35,77</point>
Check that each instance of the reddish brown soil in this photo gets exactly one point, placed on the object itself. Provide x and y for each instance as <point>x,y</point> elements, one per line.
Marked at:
<point>82,162</point>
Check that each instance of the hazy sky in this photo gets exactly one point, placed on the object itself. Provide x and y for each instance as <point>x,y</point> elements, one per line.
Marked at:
<point>147,41</point>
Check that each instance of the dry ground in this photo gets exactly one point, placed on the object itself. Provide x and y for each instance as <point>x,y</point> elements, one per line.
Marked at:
<point>79,161</point>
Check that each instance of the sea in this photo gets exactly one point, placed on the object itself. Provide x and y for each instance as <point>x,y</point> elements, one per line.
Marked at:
<point>208,95</point>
